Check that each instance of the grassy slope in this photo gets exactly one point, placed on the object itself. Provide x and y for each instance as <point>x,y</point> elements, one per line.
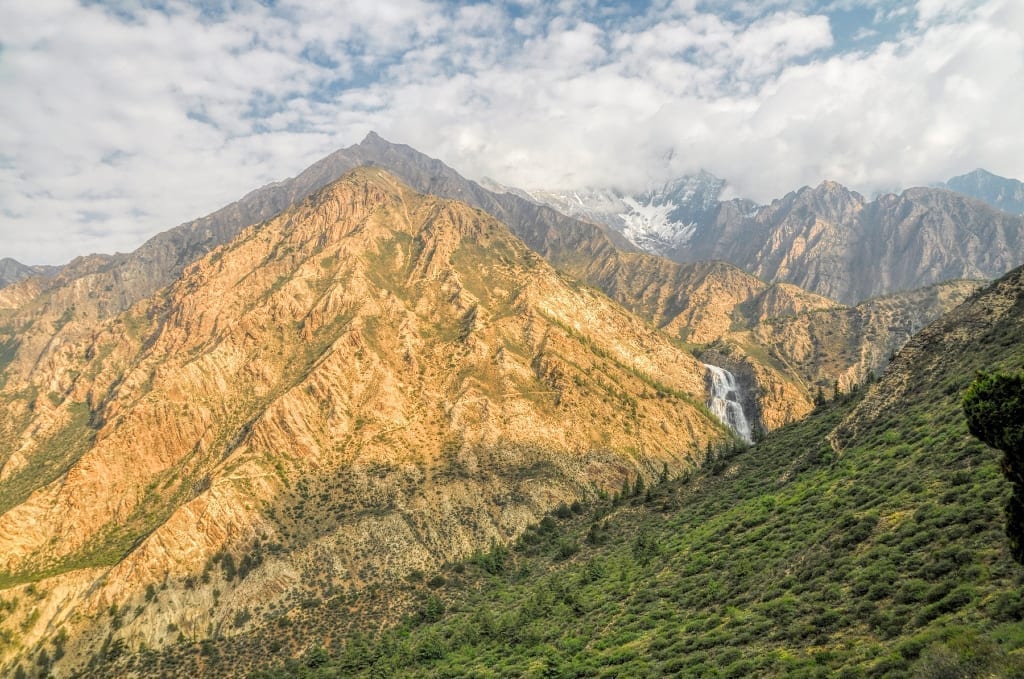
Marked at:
<point>790,560</point>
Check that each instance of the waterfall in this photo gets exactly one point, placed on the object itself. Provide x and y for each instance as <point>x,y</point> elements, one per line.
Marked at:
<point>725,401</point>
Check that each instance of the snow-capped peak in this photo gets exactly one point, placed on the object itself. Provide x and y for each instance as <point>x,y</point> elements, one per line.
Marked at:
<point>658,220</point>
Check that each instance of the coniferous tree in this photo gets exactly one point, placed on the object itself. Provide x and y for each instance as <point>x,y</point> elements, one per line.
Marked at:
<point>638,487</point>
<point>994,405</point>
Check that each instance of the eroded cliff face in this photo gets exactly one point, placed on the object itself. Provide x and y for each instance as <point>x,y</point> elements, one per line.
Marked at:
<point>991,317</point>
<point>834,242</point>
<point>844,345</point>
<point>372,382</point>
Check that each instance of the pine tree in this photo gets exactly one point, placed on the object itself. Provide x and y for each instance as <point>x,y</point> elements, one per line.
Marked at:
<point>994,405</point>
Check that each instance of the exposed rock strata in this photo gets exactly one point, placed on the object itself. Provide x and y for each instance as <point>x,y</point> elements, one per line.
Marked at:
<point>372,382</point>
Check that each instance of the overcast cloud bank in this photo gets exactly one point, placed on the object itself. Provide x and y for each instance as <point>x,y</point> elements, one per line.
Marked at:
<point>121,121</point>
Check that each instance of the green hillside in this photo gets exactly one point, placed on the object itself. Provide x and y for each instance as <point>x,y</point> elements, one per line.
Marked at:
<point>866,540</point>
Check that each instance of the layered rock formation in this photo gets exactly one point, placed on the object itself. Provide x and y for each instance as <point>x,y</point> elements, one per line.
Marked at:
<point>372,382</point>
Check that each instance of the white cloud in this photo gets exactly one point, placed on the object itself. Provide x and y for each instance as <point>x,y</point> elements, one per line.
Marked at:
<point>929,11</point>
<point>771,42</point>
<point>115,130</point>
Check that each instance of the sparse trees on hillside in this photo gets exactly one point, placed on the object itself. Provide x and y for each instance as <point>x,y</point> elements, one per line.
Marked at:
<point>994,405</point>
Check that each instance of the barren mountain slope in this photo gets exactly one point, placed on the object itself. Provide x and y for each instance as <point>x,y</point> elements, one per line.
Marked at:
<point>844,345</point>
<point>372,382</point>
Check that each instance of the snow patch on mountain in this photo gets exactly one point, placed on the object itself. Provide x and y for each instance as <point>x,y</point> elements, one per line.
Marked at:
<point>651,227</point>
<point>659,220</point>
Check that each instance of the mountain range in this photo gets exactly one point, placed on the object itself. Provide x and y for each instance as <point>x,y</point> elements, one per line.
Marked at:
<point>864,540</point>
<point>379,367</point>
<point>999,192</point>
<point>827,239</point>
<point>696,302</point>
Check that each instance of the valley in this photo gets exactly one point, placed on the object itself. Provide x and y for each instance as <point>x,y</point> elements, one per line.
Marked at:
<point>345,414</point>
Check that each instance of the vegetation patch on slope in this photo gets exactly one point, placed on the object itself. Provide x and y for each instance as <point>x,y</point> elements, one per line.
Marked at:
<point>867,540</point>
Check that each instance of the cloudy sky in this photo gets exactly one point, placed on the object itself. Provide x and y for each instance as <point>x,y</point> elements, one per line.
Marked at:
<point>123,118</point>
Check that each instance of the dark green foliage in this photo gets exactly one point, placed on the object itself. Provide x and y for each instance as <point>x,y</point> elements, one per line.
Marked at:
<point>316,657</point>
<point>241,617</point>
<point>566,549</point>
<point>432,610</point>
<point>227,565</point>
<point>492,561</point>
<point>994,405</point>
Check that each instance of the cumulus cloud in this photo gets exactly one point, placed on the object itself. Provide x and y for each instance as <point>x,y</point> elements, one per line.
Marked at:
<point>124,119</point>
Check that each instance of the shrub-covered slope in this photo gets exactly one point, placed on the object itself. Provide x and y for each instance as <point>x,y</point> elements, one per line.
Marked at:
<point>866,540</point>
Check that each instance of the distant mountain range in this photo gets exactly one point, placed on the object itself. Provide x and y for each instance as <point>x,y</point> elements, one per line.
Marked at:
<point>999,192</point>
<point>827,239</point>
<point>12,271</point>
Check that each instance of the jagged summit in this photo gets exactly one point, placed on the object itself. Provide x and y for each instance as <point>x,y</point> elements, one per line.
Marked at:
<point>826,239</point>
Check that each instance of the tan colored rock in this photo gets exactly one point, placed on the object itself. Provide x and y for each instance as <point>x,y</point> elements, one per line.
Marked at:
<point>375,381</point>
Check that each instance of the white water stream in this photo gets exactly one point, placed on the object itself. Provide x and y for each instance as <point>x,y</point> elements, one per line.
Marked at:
<point>725,401</point>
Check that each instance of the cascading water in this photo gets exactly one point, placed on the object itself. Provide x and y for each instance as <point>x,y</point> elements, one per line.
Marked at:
<point>725,403</point>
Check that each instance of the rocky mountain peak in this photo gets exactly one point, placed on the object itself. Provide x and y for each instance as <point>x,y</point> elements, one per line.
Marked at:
<point>999,192</point>
<point>831,200</point>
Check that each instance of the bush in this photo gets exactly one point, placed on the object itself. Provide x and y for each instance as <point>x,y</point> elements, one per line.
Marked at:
<point>566,549</point>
